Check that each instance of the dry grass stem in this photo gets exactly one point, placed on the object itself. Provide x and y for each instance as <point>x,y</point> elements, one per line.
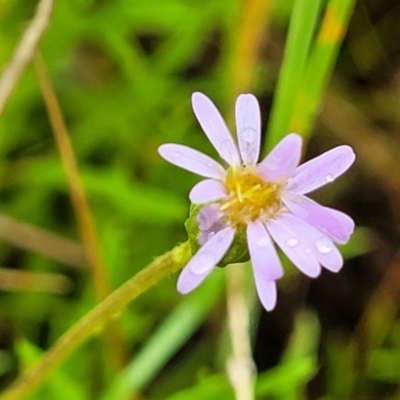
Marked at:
<point>25,51</point>
<point>16,280</point>
<point>38,240</point>
<point>113,334</point>
<point>240,365</point>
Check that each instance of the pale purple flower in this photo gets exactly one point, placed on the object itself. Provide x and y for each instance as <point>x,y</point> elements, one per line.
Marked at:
<point>268,199</point>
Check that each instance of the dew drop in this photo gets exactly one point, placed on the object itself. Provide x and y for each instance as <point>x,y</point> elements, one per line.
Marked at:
<point>248,135</point>
<point>202,262</point>
<point>323,245</point>
<point>307,251</point>
<point>330,178</point>
<point>210,235</point>
<point>247,155</point>
<point>292,242</point>
<point>262,242</point>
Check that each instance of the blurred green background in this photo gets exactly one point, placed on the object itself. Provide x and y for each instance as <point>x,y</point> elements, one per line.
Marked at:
<point>123,72</point>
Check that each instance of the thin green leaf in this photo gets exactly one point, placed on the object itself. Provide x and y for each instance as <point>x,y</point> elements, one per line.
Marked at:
<point>320,64</point>
<point>303,21</point>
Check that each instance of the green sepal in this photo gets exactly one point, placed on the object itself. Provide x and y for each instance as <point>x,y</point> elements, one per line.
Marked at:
<point>192,228</point>
<point>238,252</point>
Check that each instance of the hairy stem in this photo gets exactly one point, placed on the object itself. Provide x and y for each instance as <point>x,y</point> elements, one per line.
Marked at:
<point>95,320</point>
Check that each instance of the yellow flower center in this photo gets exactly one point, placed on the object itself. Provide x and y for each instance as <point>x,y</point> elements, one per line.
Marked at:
<point>250,197</point>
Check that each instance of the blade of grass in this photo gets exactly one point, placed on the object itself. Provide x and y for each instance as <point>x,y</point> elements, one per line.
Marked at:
<point>320,64</point>
<point>25,51</point>
<point>39,240</point>
<point>302,26</point>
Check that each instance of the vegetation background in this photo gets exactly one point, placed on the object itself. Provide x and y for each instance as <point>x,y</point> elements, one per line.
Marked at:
<point>122,73</point>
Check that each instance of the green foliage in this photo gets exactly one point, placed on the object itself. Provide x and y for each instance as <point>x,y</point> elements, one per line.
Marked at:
<point>303,20</point>
<point>62,386</point>
<point>123,72</point>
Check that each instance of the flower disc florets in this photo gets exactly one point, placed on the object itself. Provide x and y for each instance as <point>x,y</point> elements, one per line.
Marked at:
<point>250,197</point>
<point>242,210</point>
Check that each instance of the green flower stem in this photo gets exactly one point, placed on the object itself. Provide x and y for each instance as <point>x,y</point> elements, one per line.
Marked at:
<point>93,322</point>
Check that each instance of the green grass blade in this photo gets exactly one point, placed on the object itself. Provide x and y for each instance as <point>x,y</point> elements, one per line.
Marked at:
<point>302,26</point>
<point>320,64</point>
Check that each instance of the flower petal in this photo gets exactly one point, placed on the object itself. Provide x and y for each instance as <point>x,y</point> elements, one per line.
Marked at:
<point>215,128</point>
<point>206,191</point>
<point>328,254</point>
<point>323,248</point>
<point>248,126</point>
<point>266,291</point>
<point>191,160</point>
<point>204,261</point>
<point>335,224</point>
<point>321,170</point>
<point>282,161</point>
<point>264,258</point>
<point>287,233</point>
<point>318,244</point>
<point>210,221</point>
<point>188,281</point>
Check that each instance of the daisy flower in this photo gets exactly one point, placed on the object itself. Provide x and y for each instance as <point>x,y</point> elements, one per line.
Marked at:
<point>266,201</point>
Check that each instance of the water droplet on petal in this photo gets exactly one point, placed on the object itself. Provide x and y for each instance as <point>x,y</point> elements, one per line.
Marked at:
<point>323,245</point>
<point>202,262</point>
<point>292,242</point>
<point>210,164</point>
<point>247,138</point>
<point>330,178</point>
<point>307,251</point>
<point>262,242</point>
<point>247,135</point>
<point>210,235</point>
<point>247,156</point>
